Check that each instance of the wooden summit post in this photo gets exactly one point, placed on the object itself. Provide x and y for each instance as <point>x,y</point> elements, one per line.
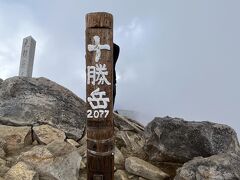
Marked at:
<point>99,97</point>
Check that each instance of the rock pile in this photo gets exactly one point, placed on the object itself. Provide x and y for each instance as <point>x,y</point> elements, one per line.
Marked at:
<point>43,137</point>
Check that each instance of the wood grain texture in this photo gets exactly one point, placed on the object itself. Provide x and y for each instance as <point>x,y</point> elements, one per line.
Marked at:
<point>99,20</point>
<point>100,131</point>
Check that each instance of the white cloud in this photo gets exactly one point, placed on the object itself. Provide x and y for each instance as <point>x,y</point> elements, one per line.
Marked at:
<point>132,33</point>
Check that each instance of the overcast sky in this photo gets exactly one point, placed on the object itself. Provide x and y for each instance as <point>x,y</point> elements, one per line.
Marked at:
<point>178,57</point>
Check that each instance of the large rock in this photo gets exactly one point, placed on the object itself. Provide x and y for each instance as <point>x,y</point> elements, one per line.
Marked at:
<point>73,142</point>
<point>120,175</point>
<point>21,171</point>
<point>15,137</point>
<point>144,169</point>
<point>2,147</point>
<point>57,160</point>
<point>118,158</point>
<point>176,140</point>
<point>216,167</point>
<point>2,153</point>
<point>31,101</point>
<point>59,148</point>
<point>3,167</point>
<point>130,143</point>
<point>46,134</point>
<point>3,143</point>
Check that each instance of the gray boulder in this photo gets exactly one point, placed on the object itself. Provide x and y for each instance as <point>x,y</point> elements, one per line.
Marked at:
<point>144,169</point>
<point>15,138</point>
<point>35,101</point>
<point>21,171</point>
<point>3,168</point>
<point>120,175</point>
<point>217,167</point>
<point>175,140</point>
<point>46,134</point>
<point>56,161</point>
<point>2,153</point>
<point>1,81</point>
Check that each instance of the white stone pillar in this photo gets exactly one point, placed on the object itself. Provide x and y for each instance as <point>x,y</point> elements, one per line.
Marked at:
<point>27,57</point>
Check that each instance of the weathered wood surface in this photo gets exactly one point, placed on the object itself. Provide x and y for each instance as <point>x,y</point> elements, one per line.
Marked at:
<point>100,130</point>
<point>99,20</point>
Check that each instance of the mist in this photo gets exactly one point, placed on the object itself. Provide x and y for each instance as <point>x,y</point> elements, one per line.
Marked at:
<point>178,58</point>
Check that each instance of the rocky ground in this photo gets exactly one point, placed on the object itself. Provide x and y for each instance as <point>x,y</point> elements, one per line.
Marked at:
<point>43,137</point>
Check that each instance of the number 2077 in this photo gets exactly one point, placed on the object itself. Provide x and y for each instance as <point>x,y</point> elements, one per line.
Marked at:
<point>97,113</point>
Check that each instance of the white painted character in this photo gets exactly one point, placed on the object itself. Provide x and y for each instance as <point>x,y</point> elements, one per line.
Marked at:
<point>97,74</point>
<point>91,74</point>
<point>97,101</point>
<point>101,72</point>
<point>98,47</point>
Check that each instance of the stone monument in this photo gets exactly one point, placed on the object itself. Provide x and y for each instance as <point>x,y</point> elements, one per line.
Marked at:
<point>27,57</point>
